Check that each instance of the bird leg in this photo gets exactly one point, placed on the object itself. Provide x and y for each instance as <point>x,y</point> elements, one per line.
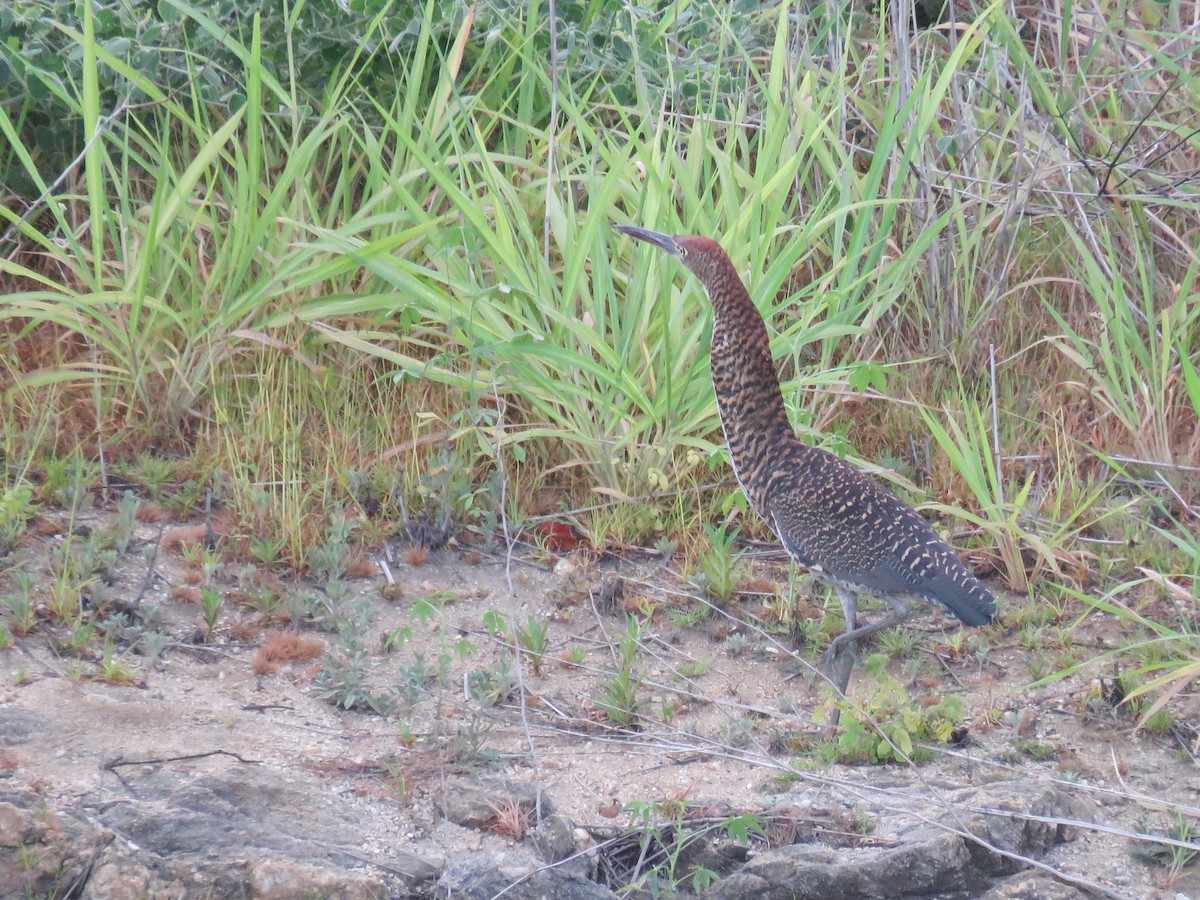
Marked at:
<point>843,650</point>
<point>899,613</point>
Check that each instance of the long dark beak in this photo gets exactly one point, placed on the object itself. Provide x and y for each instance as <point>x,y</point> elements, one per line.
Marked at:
<point>656,238</point>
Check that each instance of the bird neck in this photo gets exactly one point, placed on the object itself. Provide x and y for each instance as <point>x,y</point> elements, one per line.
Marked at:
<point>747,387</point>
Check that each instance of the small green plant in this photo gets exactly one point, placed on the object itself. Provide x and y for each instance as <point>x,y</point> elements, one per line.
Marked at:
<point>1038,665</point>
<point>735,644</point>
<point>469,747</point>
<point>1032,636</point>
<point>495,622</point>
<point>1151,850</point>
<point>890,726</point>
<point>155,472</point>
<point>79,639</point>
<point>264,601</point>
<point>154,643</point>
<point>688,616</point>
<point>328,561</point>
<point>533,638</point>
<point>267,550</point>
<point>667,835</point>
<point>16,509</point>
<point>898,643</point>
<point>124,521</point>
<point>720,572</point>
<point>210,603</point>
<point>620,702</point>
<point>70,482</point>
<point>66,600</point>
<point>19,606</point>
<point>346,679</point>
<point>575,655</point>
<point>495,685</point>
<point>397,638</point>
<point>112,668</point>
<point>6,637</point>
<point>695,669</point>
<point>1035,749</point>
<point>739,731</point>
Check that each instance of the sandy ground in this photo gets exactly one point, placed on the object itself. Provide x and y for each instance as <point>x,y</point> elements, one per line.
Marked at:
<point>726,712</point>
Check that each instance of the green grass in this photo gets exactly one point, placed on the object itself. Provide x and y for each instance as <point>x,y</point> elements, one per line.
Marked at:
<point>317,296</point>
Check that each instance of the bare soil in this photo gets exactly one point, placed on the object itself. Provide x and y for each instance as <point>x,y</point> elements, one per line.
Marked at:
<point>726,712</point>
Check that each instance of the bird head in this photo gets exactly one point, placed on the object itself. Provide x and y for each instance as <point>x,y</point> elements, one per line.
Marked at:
<point>702,255</point>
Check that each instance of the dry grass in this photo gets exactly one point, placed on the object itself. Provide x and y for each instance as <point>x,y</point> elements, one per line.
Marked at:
<point>285,647</point>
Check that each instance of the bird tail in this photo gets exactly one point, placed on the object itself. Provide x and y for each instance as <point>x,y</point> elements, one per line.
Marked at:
<point>964,596</point>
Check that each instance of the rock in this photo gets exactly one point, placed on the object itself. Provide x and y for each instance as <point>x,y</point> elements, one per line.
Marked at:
<point>554,838</point>
<point>41,853</point>
<point>930,860</point>
<point>1010,830</point>
<point>933,863</point>
<point>118,875</point>
<point>557,840</point>
<point>284,879</point>
<point>246,832</point>
<point>518,874</point>
<point>480,802</point>
<point>19,725</point>
<point>1034,886</point>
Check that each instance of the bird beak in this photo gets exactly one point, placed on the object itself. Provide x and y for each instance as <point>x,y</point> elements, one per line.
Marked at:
<point>658,239</point>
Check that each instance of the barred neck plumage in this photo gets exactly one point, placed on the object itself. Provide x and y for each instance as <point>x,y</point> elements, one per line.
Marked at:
<point>746,382</point>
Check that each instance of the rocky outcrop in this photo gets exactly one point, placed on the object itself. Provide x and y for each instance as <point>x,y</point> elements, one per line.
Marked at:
<point>246,832</point>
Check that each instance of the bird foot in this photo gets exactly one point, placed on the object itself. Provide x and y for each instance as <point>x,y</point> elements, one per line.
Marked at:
<point>837,664</point>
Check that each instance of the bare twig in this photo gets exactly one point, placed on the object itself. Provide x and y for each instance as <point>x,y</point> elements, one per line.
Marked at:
<point>118,761</point>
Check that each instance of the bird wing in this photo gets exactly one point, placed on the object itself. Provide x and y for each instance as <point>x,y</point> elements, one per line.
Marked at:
<point>854,531</point>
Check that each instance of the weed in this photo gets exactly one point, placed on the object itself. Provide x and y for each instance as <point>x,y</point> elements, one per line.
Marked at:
<point>328,561</point>
<point>695,669</point>
<point>739,732</point>
<point>1038,666</point>
<point>210,602</point>
<point>112,668</point>
<point>267,550</point>
<point>397,638</point>
<point>155,472</point>
<point>890,726</point>
<point>495,685</point>
<point>1035,749</point>
<point>533,638</point>
<point>6,637</point>
<point>469,747</point>
<point>154,643</point>
<point>19,606</point>
<point>16,509</point>
<point>346,680</point>
<point>719,574</point>
<point>1152,851</point>
<point>620,703</point>
<point>264,601</point>
<point>898,643</point>
<point>572,657</point>
<point>688,616</point>
<point>124,521</point>
<point>665,842</point>
<point>78,640</point>
<point>736,645</point>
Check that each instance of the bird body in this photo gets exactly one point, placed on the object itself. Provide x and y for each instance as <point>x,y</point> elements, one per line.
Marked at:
<point>849,530</point>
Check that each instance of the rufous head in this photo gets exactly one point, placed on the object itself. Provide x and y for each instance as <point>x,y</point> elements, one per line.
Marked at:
<point>702,255</point>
